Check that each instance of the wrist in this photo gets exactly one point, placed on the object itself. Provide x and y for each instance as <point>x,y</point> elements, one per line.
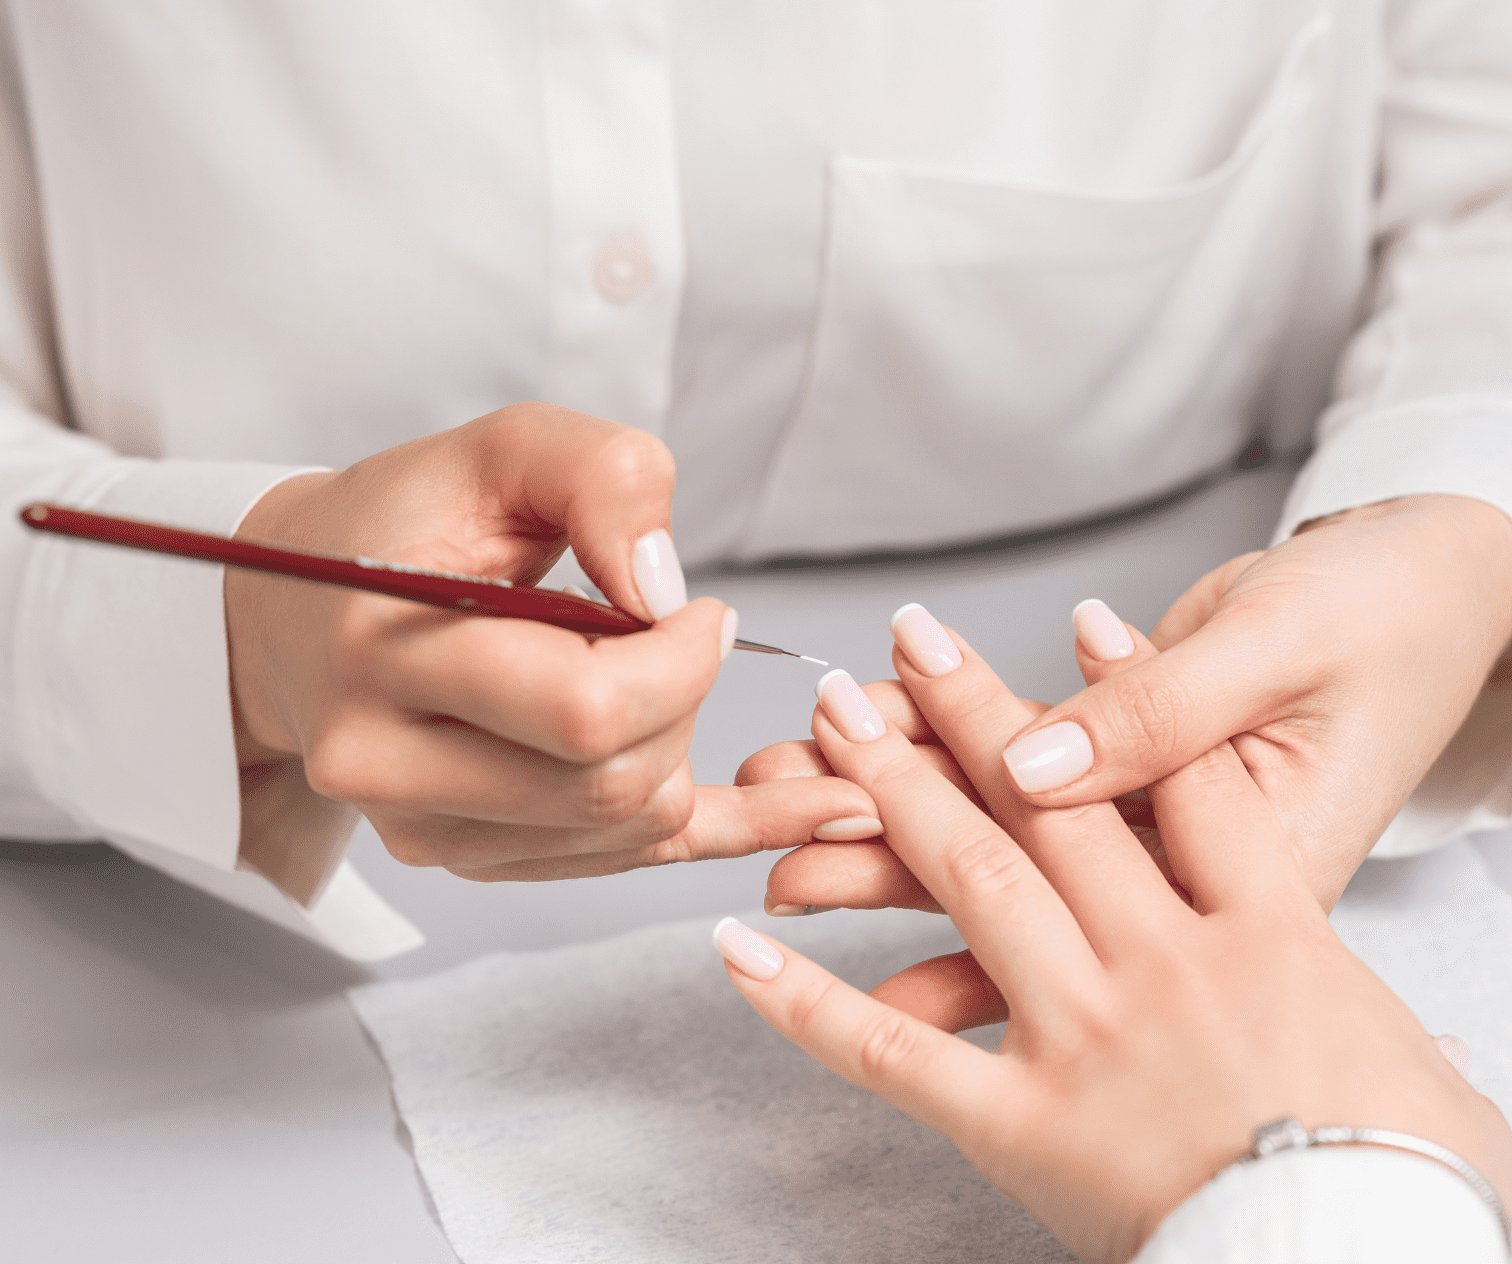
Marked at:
<point>279,513</point>
<point>1477,533</point>
<point>251,607</point>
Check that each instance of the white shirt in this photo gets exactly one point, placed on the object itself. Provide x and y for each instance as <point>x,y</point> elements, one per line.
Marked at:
<point>1344,1205</point>
<point>880,274</point>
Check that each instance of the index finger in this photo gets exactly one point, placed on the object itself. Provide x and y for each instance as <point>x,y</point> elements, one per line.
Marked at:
<point>551,689</point>
<point>1099,868</point>
<point>1020,930</point>
<point>938,1079</point>
<point>1219,833</point>
<point>607,485</point>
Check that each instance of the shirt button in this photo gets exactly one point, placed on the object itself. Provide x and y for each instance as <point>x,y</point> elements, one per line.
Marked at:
<point>622,268</point>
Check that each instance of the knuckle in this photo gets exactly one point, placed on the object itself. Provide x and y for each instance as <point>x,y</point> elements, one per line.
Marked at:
<point>634,458</point>
<point>984,865</point>
<point>1212,769</point>
<point>410,847</point>
<point>618,791</point>
<point>1146,714</point>
<point>670,810</point>
<point>803,1009</point>
<point>886,1045</point>
<point>591,721</point>
<point>782,762</point>
<point>1076,1045</point>
<point>892,774</point>
<point>337,768</point>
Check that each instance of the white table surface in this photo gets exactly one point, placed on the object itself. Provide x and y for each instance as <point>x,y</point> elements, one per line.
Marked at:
<point>181,1082</point>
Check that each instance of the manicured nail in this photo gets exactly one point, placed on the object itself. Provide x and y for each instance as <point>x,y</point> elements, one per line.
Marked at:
<point>572,590</point>
<point>1456,1051</point>
<point>848,829</point>
<point>1049,759</point>
<point>747,951</point>
<point>1100,631</point>
<point>727,633</point>
<point>658,574</point>
<point>800,910</point>
<point>920,636</point>
<point>848,708</point>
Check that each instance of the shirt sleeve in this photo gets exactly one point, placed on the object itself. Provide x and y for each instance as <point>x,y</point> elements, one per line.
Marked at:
<point>1423,395</point>
<point>115,714</point>
<point>1330,1205</point>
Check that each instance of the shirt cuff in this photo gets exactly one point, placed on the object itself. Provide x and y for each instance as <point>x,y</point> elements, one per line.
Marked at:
<point>123,694</point>
<point>1452,445</point>
<point>1330,1205</point>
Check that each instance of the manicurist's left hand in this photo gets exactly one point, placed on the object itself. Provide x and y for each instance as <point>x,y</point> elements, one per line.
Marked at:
<point>1148,1036</point>
<point>1340,662</point>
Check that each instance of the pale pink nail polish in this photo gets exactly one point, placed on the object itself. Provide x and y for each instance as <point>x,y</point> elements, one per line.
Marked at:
<point>848,829</point>
<point>658,574</point>
<point>1456,1051</point>
<point>727,633</point>
<point>747,951</point>
<point>927,645</point>
<point>1050,758</point>
<point>848,708</point>
<point>1100,631</point>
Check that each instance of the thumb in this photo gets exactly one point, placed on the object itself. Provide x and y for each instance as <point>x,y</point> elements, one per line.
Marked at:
<point>610,487</point>
<point>1195,606</point>
<point>1149,713</point>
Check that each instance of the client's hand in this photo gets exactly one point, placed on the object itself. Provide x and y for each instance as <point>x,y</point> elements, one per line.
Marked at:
<point>1148,1036</point>
<point>499,748</point>
<point>872,876</point>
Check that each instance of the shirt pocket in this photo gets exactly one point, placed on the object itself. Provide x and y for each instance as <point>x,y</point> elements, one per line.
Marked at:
<point>992,356</point>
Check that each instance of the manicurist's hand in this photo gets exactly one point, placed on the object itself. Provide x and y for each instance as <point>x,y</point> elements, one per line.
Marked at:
<point>1340,663</point>
<point>1153,1026</point>
<point>499,748</point>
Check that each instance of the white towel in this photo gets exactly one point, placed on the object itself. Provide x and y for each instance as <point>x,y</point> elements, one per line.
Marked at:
<point>617,1101</point>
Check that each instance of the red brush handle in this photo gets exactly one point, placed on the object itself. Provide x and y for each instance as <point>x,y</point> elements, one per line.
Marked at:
<point>463,593</point>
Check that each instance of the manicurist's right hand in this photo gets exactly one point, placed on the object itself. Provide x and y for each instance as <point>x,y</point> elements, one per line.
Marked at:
<point>1155,1017</point>
<point>500,748</point>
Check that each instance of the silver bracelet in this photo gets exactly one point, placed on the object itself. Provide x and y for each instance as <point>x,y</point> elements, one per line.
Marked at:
<point>1289,1134</point>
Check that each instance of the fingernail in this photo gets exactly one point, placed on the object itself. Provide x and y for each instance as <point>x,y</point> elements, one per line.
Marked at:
<point>848,708</point>
<point>848,829</point>
<point>1050,758</point>
<point>572,590</point>
<point>658,574</point>
<point>747,951</point>
<point>800,910</point>
<point>1456,1051</point>
<point>920,636</point>
<point>727,633</point>
<point>1100,631</point>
